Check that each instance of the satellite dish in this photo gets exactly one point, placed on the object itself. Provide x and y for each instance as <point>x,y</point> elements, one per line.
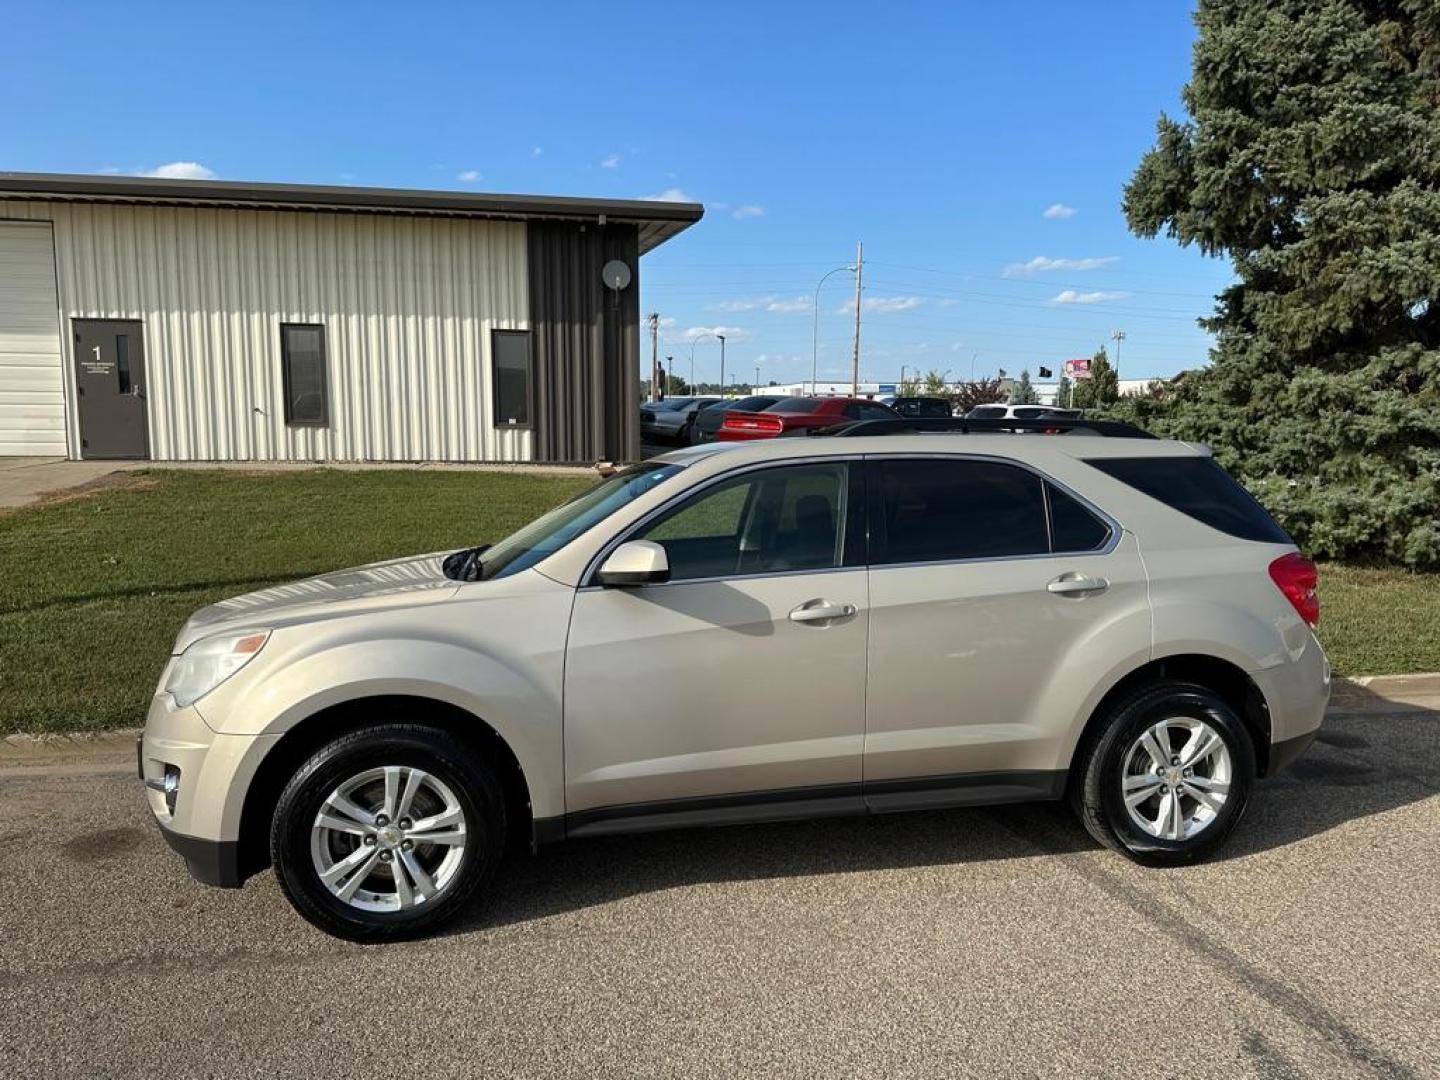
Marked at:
<point>615,274</point>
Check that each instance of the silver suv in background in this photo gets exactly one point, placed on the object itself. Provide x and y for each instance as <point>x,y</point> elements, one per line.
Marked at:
<point>844,623</point>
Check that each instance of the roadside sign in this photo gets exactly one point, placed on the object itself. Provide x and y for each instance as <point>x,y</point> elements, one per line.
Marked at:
<point>887,388</point>
<point>1078,369</point>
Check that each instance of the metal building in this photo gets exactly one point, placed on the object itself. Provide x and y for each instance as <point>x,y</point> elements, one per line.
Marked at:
<point>186,320</point>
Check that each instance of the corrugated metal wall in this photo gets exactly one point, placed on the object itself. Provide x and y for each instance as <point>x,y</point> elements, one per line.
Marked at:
<point>408,304</point>
<point>586,342</point>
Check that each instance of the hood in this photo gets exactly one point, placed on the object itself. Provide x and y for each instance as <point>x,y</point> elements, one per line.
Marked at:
<point>416,579</point>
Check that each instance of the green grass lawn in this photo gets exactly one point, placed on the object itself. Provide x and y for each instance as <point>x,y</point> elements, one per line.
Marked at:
<point>93,589</point>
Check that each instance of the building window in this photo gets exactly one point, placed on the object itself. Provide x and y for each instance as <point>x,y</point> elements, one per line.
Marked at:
<point>302,363</point>
<point>510,367</point>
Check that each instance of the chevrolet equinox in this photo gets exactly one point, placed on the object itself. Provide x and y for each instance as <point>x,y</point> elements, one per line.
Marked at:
<point>877,619</point>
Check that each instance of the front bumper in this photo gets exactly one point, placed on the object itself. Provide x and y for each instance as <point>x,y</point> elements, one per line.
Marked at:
<point>215,773</point>
<point>210,862</point>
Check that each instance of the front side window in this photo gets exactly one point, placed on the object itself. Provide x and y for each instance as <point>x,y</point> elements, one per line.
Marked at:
<point>302,362</point>
<point>937,509</point>
<point>790,518</point>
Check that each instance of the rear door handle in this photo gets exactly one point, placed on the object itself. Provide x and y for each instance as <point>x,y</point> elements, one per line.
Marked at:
<point>821,611</point>
<point>1074,584</point>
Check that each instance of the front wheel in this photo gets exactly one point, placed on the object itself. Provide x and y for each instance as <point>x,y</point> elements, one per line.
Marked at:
<point>387,832</point>
<point>1166,778</point>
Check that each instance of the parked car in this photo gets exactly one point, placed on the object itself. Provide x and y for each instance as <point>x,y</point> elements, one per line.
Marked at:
<point>666,421</point>
<point>707,422</point>
<point>1000,411</point>
<point>797,413</point>
<point>907,622</point>
<point>927,407</point>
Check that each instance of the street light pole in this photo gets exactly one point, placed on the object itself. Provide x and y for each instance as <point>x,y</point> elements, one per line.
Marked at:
<point>722,363</point>
<point>1117,336</point>
<point>815,335</point>
<point>693,341</point>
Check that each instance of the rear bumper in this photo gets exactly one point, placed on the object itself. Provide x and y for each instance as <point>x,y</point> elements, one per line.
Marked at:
<point>210,862</point>
<point>1287,750</point>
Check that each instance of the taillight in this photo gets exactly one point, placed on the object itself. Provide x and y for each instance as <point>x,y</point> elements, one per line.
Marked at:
<point>753,422</point>
<point>1296,577</point>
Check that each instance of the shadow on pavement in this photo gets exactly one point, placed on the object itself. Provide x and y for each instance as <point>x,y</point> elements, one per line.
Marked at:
<point>1359,766</point>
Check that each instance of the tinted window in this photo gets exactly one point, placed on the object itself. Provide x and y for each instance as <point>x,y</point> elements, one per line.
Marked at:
<point>924,407</point>
<point>935,509</point>
<point>986,412</point>
<point>796,405</point>
<point>302,364</point>
<point>876,412</point>
<point>510,355</point>
<point>1072,527</point>
<point>771,520</point>
<point>1199,488</point>
<point>754,404</point>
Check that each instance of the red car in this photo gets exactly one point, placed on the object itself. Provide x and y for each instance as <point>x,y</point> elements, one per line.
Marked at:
<point>801,412</point>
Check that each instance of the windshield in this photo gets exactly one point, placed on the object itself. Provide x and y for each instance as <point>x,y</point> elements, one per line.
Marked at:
<point>670,404</point>
<point>549,533</point>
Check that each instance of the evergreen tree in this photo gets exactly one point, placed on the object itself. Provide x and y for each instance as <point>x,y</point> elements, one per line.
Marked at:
<point>1023,393</point>
<point>1102,387</point>
<point>1311,161</point>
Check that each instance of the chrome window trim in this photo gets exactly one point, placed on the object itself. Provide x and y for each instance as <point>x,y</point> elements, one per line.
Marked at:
<point>1112,541</point>
<point>593,566</point>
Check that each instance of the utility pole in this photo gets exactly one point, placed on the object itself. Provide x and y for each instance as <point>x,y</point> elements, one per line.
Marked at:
<point>855,358</point>
<point>1117,336</point>
<point>669,369</point>
<point>757,379</point>
<point>655,388</point>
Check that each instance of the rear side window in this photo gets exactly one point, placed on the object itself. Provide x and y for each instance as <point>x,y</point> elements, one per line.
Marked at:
<point>1199,488</point>
<point>1072,527</point>
<point>934,510</point>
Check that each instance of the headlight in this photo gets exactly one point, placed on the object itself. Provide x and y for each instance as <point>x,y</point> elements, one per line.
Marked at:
<point>209,662</point>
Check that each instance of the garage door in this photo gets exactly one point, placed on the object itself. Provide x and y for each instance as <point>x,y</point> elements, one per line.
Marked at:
<point>32,396</point>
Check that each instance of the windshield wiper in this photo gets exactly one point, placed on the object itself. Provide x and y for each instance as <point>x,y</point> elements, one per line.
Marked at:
<point>465,564</point>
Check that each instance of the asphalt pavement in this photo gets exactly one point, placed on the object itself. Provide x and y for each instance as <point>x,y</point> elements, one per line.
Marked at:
<point>988,943</point>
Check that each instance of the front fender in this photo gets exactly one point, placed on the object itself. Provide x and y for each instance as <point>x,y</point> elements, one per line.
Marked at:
<point>510,677</point>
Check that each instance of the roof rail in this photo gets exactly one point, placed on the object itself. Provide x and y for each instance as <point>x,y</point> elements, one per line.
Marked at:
<point>1111,429</point>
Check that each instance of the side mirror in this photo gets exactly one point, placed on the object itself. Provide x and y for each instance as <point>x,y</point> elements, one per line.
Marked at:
<point>635,562</point>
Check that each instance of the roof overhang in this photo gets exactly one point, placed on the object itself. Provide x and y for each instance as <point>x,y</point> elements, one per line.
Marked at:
<point>657,221</point>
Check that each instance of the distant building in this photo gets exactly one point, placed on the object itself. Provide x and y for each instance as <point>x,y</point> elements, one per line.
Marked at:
<point>183,320</point>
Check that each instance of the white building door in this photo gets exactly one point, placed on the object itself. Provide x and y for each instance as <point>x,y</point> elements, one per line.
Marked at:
<point>32,393</point>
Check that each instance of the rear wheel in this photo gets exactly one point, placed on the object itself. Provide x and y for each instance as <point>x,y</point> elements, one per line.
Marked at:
<point>1167,777</point>
<point>387,832</point>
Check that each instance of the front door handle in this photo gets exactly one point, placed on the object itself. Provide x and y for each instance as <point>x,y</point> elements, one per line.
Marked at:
<point>1073,584</point>
<point>813,611</point>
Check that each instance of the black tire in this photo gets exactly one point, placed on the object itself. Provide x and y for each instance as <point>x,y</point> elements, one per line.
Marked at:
<point>473,783</point>
<point>1096,790</point>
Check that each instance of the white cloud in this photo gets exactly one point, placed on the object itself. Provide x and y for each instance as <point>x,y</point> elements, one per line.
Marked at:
<point>536,151</point>
<point>611,162</point>
<point>1058,212</point>
<point>1040,264</point>
<point>180,170</point>
<point>469,176</point>
<point>1070,296</point>
<point>667,322</point>
<point>749,210</point>
<point>884,305</point>
<point>730,333</point>
<point>948,303</point>
<point>673,194</point>
<point>780,305</point>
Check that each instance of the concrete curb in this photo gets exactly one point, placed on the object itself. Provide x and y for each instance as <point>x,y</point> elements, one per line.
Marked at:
<point>1370,694</point>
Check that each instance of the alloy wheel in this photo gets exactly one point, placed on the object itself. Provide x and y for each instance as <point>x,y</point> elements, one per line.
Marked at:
<point>389,839</point>
<point>1176,778</point>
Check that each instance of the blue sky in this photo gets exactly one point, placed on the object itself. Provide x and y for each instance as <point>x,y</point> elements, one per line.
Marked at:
<point>940,134</point>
